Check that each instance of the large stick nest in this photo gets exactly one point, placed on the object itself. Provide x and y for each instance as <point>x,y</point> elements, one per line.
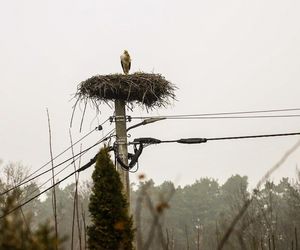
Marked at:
<point>149,90</point>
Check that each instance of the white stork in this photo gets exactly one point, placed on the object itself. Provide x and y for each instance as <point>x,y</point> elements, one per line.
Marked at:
<point>125,62</point>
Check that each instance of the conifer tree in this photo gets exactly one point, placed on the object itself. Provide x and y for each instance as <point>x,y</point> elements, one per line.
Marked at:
<point>111,226</point>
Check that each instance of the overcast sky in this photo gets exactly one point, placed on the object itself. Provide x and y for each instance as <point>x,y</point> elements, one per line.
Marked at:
<point>222,55</point>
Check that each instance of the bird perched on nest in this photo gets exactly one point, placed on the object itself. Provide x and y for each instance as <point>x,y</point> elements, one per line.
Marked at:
<point>125,62</point>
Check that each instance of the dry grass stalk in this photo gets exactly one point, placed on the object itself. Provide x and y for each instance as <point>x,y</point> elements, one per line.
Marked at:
<point>84,226</point>
<point>75,201</point>
<point>53,180</point>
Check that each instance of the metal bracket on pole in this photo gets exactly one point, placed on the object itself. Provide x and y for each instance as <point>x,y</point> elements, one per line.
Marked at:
<point>116,118</point>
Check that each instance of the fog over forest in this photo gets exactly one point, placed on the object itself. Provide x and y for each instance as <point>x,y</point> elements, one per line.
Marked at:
<point>194,216</point>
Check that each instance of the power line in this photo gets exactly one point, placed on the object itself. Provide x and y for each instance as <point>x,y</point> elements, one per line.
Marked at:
<point>149,140</point>
<point>36,196</point>
<point>56,174</point>
<point>226,117</point>
<point>83,152</point>
<point>68,148</point>
<point>224,114</point>
<point>84,167</point>
<point>48,170</point>
<point>251,136</point>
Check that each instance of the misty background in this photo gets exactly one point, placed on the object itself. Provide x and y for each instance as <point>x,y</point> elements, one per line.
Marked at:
<point>222,56</point>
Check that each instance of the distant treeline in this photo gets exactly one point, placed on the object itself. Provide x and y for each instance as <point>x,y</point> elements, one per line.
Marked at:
<point>195,216</point>
<point>199,214</point>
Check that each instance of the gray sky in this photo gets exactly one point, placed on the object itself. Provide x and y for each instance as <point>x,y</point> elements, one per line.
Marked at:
<point>222,55</point>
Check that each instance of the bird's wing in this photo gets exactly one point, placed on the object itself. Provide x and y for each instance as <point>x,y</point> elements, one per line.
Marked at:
<point>129,65</point>
<point>123,66</point>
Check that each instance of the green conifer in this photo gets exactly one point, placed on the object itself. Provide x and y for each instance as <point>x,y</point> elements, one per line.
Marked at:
<point>111,226</point>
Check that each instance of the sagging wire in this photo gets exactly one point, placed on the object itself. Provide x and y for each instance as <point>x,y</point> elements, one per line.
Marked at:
<point>48,170</point>
<point>84,167</point>
<point>25,180</point>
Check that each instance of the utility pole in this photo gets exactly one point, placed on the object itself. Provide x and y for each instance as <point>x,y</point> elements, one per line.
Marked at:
<point>121,143</point>
<point>149,90</point>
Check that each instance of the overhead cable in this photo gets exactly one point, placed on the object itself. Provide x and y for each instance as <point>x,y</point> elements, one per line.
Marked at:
<point>225,114</point>
<point>47,189</point>
<point>220,117</point>
<point>65,161</point>
<point>84,167</point>
<point>150,140</point>
<point>64,151</point>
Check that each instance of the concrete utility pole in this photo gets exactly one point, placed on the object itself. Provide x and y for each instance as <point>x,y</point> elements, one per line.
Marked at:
<point>148,90</point>
<point>121,142</point>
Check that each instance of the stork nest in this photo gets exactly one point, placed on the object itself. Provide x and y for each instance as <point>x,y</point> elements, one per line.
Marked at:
<point>149,90</point>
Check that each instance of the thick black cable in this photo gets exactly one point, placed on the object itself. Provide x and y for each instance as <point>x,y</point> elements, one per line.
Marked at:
<point>220,113</point>
<point>149,140</point>
<point>251,136</point>
<point>46,171</point>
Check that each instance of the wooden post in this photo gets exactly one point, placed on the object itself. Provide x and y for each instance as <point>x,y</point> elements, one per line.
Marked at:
<point>121,141</point>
